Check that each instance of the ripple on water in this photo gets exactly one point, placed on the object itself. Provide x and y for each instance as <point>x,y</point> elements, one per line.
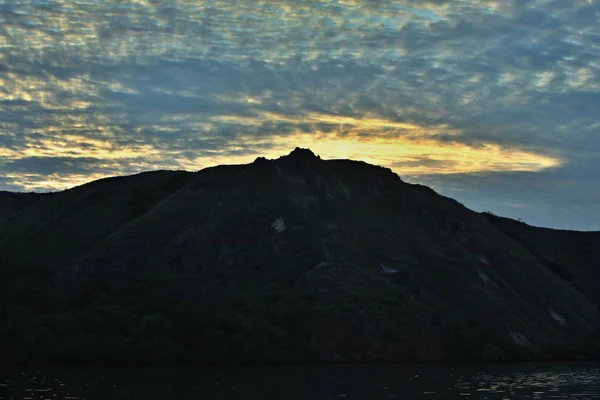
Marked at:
<point>295,383</point>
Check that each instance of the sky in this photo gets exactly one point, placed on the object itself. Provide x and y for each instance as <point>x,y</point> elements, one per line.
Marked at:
<point>493,103</point>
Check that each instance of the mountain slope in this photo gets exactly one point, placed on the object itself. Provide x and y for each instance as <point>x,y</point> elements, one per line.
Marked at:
<point>294,259</point>
<point>11,203</point>
<point>569,254</point>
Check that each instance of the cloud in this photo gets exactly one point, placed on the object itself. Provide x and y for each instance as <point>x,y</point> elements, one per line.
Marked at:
<point>441,91</point>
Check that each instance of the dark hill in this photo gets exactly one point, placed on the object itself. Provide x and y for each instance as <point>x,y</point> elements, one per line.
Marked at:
<point>572,255</point>
<point>11,203</point>
<point>292,260</point>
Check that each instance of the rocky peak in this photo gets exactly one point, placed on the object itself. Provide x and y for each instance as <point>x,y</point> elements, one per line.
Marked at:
<point>300,158</point>
<point>302,154</point>
<point>261,161</point>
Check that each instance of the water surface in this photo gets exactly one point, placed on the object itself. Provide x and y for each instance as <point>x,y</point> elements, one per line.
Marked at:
<point>491,381</point>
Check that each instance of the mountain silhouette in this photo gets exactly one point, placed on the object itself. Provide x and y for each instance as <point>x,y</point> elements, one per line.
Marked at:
<point>296,259</point>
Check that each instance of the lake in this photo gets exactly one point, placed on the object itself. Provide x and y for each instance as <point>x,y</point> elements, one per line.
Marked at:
<point>340,382</point>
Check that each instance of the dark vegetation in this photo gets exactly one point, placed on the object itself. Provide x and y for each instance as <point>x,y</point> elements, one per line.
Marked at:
<point>288,260</point>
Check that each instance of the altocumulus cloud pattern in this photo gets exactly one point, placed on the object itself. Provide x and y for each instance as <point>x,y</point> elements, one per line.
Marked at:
<point>494,103</point>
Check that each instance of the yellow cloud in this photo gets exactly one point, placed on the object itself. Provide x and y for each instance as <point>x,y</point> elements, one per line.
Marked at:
<point>86,148</point>
<point>373,140</point>
<point>408,147</point>
<point>367,125</point>
<point>454,158</point>
<point>54,182</point>
<point>418,154</point>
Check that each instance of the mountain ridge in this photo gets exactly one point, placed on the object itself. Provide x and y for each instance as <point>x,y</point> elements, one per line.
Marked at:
<point>292,259</point>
